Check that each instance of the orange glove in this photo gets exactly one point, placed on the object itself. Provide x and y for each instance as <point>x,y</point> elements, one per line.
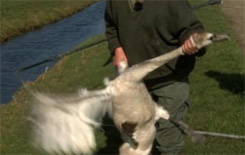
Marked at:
<point>120,61</point>
<point>189,47</point>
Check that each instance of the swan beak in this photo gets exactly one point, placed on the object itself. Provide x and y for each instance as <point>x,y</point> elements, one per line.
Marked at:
<point>219,37</point>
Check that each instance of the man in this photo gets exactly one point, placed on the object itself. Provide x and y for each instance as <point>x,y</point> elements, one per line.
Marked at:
<point>138,30</point>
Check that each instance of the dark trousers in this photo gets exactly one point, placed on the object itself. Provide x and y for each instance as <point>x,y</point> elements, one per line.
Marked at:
<point>172,97</point>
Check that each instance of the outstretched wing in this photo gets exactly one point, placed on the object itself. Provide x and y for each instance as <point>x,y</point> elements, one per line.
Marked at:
<point>66,124</point>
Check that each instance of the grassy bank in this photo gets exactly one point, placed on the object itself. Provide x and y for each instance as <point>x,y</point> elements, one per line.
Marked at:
<point>216,92</point>
<point>20,16</point>
<point>82,69</point>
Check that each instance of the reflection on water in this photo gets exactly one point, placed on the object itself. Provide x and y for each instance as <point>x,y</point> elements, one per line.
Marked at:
<point>47,42</point>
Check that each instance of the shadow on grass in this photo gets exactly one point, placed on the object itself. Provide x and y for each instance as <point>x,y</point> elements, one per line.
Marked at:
<point>231,82</point>
<point>114,140</point>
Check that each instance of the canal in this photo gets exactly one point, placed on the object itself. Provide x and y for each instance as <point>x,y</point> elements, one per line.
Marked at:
<point>44,43</point>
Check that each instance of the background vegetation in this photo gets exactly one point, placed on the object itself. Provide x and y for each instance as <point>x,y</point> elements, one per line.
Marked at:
<point>20,16</point>
<point>217,86</point>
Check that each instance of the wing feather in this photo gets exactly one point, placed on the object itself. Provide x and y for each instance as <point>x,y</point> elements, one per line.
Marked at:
<point>66,124</point>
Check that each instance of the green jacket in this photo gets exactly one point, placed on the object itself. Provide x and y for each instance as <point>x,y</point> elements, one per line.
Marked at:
<point>159,27</point>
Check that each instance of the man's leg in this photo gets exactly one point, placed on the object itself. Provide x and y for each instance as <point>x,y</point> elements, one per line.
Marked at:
<point>172,97</point>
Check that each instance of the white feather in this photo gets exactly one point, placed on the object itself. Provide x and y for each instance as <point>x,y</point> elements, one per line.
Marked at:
<point>67,125</point>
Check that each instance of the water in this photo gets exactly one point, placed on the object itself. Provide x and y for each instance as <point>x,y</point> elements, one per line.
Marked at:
<point>47,42</point>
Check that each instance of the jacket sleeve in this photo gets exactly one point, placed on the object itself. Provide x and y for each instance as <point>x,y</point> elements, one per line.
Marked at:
<point>110,28</point>
<point>186,22</point>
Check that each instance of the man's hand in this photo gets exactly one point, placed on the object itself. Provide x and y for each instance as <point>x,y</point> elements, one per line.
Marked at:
<point>120,58</point>
<point>189,47</point>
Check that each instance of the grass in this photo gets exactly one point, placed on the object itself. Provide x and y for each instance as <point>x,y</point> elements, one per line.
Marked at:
<point>217,86</point>
<point>20,16</point>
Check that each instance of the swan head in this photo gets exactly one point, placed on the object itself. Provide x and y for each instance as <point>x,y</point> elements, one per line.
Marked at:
<point>204,39</point>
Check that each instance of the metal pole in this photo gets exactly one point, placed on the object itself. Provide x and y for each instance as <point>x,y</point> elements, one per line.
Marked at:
<point>210,2</point>
<point>215,134</point>
<point>195,135</point>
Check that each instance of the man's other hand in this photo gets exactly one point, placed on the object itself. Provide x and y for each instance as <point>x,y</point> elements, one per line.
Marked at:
<point>120,58</point>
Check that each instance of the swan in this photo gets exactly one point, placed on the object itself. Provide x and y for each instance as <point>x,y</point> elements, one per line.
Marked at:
<point>65,124</point>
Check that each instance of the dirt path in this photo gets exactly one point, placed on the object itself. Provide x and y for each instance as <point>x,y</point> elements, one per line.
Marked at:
<point>235,12</point>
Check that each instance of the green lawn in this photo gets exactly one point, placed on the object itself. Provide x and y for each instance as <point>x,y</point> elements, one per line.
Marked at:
<point>20,16</point>
<point>217,86</point>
